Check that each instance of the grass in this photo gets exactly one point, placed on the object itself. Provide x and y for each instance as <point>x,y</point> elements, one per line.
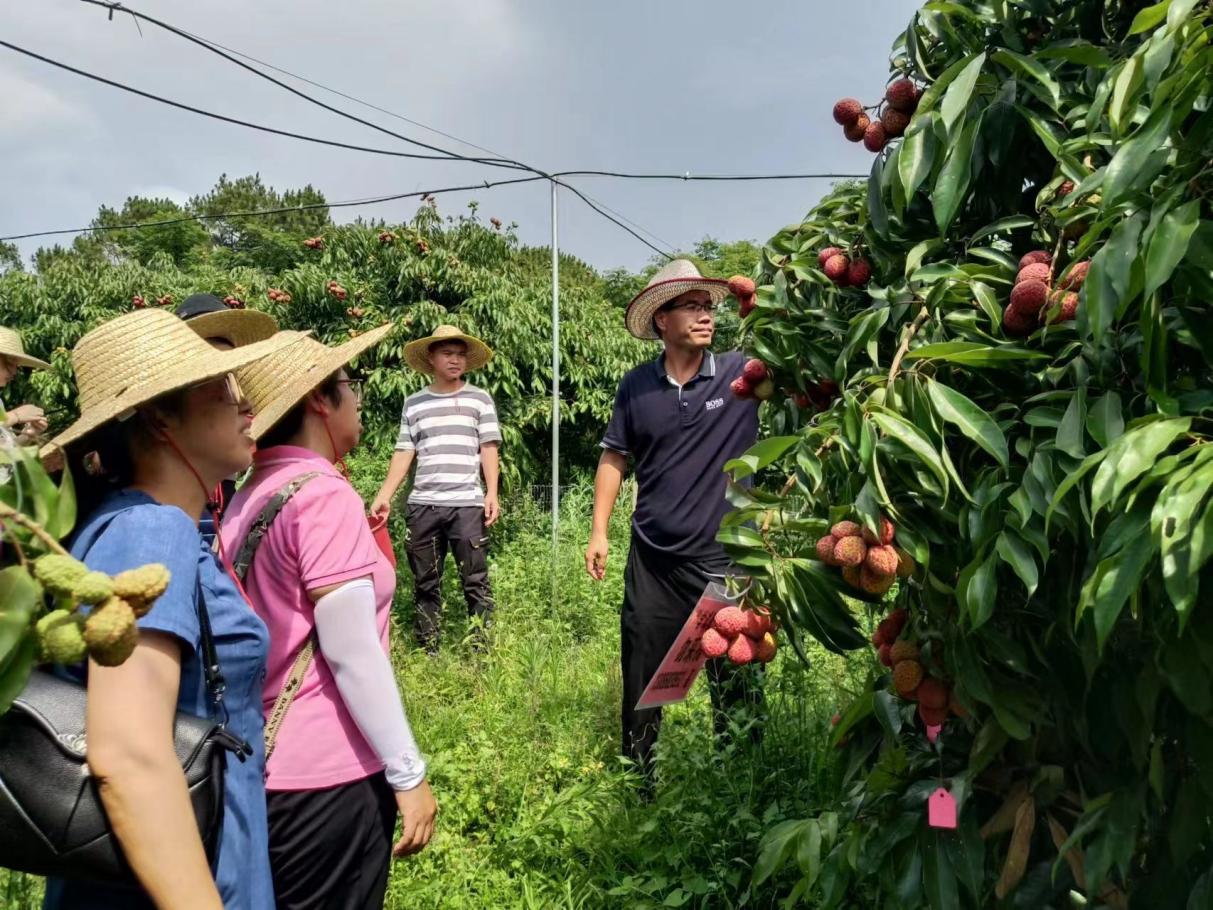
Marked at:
<point>536,809</point>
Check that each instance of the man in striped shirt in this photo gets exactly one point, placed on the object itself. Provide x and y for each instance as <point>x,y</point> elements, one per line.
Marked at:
<point>450,429</point>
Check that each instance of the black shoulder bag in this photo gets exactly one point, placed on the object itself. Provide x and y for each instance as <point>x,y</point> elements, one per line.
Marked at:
<point>52,821</point>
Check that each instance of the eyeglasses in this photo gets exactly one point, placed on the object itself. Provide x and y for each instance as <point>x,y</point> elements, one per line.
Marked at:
<point>697,308</point>
<point>230,388</point>
<point>355,387</point>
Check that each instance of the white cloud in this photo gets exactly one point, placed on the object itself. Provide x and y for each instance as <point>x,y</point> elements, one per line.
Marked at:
<point>33,112</point>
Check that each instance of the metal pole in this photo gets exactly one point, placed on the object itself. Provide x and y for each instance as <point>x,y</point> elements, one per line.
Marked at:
<point>555,380</point>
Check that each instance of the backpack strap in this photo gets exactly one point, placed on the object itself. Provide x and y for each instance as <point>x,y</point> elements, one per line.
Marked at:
<point>244,558</point>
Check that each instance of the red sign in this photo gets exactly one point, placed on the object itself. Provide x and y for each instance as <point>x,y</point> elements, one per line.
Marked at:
<point>684,660</point>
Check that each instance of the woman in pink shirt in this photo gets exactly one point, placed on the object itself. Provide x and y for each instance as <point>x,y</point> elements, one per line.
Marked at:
<point>341,759</point>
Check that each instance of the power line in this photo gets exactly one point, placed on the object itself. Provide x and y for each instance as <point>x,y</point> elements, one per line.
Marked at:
<point>216,216</point>
<point>724,178</point>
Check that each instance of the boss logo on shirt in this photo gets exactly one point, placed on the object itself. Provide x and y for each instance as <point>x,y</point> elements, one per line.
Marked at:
<point>714,404</point>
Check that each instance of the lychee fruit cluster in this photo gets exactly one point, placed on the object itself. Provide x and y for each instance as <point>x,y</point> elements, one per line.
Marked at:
<point>387,238</point>
<point>743,289</point>
<point>355,312</point>
<point>336,290</point>
<point>109,633</point>
<point>232,302</point>
<point>869,561</point>
<point>893,116</point>
<point>278,296</point>
<point>138,302</point>
<point>1034,295</point>
<point>314,243</point>
<point>422,246</point>
<point>496,223</point>
<point>818,396</point>
<point>754,382</point>
<point>744,635</point>
<point>841,269</point>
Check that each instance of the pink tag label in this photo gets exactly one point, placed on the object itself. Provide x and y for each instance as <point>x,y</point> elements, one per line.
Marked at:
<point>684,660</point>
<point>941,809</point>
<point>933,732</point>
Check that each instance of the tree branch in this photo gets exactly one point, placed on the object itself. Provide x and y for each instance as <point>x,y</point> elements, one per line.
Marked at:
<point>906,338</point>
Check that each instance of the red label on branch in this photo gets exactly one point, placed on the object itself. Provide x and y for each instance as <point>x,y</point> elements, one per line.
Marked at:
<point>684,660</point>
<point>941,809</point>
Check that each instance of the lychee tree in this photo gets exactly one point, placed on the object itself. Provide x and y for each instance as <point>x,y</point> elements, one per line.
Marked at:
<point>1023,414</point>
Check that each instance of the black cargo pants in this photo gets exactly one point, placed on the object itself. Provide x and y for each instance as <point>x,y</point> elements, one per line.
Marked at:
<point>433,530</point>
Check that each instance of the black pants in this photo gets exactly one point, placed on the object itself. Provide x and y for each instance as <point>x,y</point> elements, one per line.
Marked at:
<point>330,849</point>
<point>659,593</point>
<point>432,531</point>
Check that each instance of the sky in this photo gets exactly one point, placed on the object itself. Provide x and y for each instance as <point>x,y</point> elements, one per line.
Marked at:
<point>633,85</point>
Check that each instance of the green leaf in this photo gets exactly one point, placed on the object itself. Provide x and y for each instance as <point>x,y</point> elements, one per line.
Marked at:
<point>915,161</point>
<point>969,353</point>
<point>1124,91</point>
<point>1105,422</point>
<point>1149,18</point>
<point>953,181</point>
<point>19,597</point>
<point>1114,581</point>
<point>930,98</point>
<point>887,709</point>
<point>1069,432</point>
<point>1131,456</point>
<point>1137,162</point>
<point>971,420</point>
<point>776,848</point>
<point>1002,225</point>
<point>988,302</point>
<point>1030,67</point>
<point>1018,555</point>
<point>1107,281</point>
<point>914,440</point>
<point>878,214</point>
<point>15,672</point>
<point>956,98</point>
<point>937,874</point>
<point>1169,244</point>
<point>976,588</point>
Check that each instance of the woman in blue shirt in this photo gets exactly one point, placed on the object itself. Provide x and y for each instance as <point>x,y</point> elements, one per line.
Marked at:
<point>162,422</point>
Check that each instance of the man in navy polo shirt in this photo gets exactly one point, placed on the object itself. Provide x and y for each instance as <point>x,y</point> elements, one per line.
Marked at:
<point>676,418</point>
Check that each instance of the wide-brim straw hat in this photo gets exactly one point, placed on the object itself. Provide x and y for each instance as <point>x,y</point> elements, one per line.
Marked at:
<point>139,356</point>
<point>12,348</point>
<point>672,280</point>
<point>417,353</point>
<point>210,317</point>
<point>277,383</point>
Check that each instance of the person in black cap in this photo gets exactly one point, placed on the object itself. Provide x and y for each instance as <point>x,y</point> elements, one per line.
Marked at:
<point>225,328</point>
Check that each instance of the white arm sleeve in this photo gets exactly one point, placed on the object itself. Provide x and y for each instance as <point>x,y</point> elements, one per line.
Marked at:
<point>349,641</point>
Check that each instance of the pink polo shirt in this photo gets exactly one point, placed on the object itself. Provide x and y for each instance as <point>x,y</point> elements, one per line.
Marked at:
<point>320,538</point>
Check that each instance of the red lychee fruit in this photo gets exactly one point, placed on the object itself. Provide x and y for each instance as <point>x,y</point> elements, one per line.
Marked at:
<point>1029,296</point>
<point>741,389</point>
<point>885,657</point>
<point>854,132</point>
<point>932,717</point>
<point>1065,188</point>
<point>902,95</point>
<point>850,551</point>
<point>713,644</point>
<point>897,622</point>
<point>886,533</point>
<point>754,371</point>
<point>904,650</point>
<point>932,693</point>
<point>844,529</point>
<point>825,550</point>
<point>836,268</point>
<point>740,286</point>
<point>730,621</point>
<point>1075,275</point>
<point>746,306</point>
<point>1035,256</point>
<point>894,122</point>
<point>874,137</point>
<point>1037,271</point>
<point>847,111</point>
<point>766,648</point>
<point>827,253</point>
<point>907,674</point>
<point>882,560</point>
<point>874,583</point>
<point>138,302</point>
<point>858,273</point>
<point>1069,306</point>
<point>1017,323</point>
<point>742,650</point>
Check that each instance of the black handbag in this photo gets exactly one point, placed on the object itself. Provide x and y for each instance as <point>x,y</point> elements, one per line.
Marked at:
<point>52,821</point>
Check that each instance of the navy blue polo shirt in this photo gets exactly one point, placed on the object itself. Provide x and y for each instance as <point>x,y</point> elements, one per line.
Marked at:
<point>680,438</point>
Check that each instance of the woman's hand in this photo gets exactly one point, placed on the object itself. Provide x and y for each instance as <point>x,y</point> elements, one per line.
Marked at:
<point>417,810</point>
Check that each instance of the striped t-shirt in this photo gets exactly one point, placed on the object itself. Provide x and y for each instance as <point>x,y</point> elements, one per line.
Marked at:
<point>447,430</point>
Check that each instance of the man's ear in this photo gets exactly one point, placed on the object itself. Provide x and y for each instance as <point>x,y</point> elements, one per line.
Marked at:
<point>318,404</point>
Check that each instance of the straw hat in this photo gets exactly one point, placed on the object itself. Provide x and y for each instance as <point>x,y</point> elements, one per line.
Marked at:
<point>142,355</point>
<point>417,353</point>
<point>12,348</point>
<point>278,383</point>
<point>673,279</point>
<point>210,317</point>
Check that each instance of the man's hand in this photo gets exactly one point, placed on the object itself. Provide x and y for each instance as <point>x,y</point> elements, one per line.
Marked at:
<point>596,556</point>
<point>492,509</point>
<point>417,810</point>
<point>29,414</point>
<point>381,507</point>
